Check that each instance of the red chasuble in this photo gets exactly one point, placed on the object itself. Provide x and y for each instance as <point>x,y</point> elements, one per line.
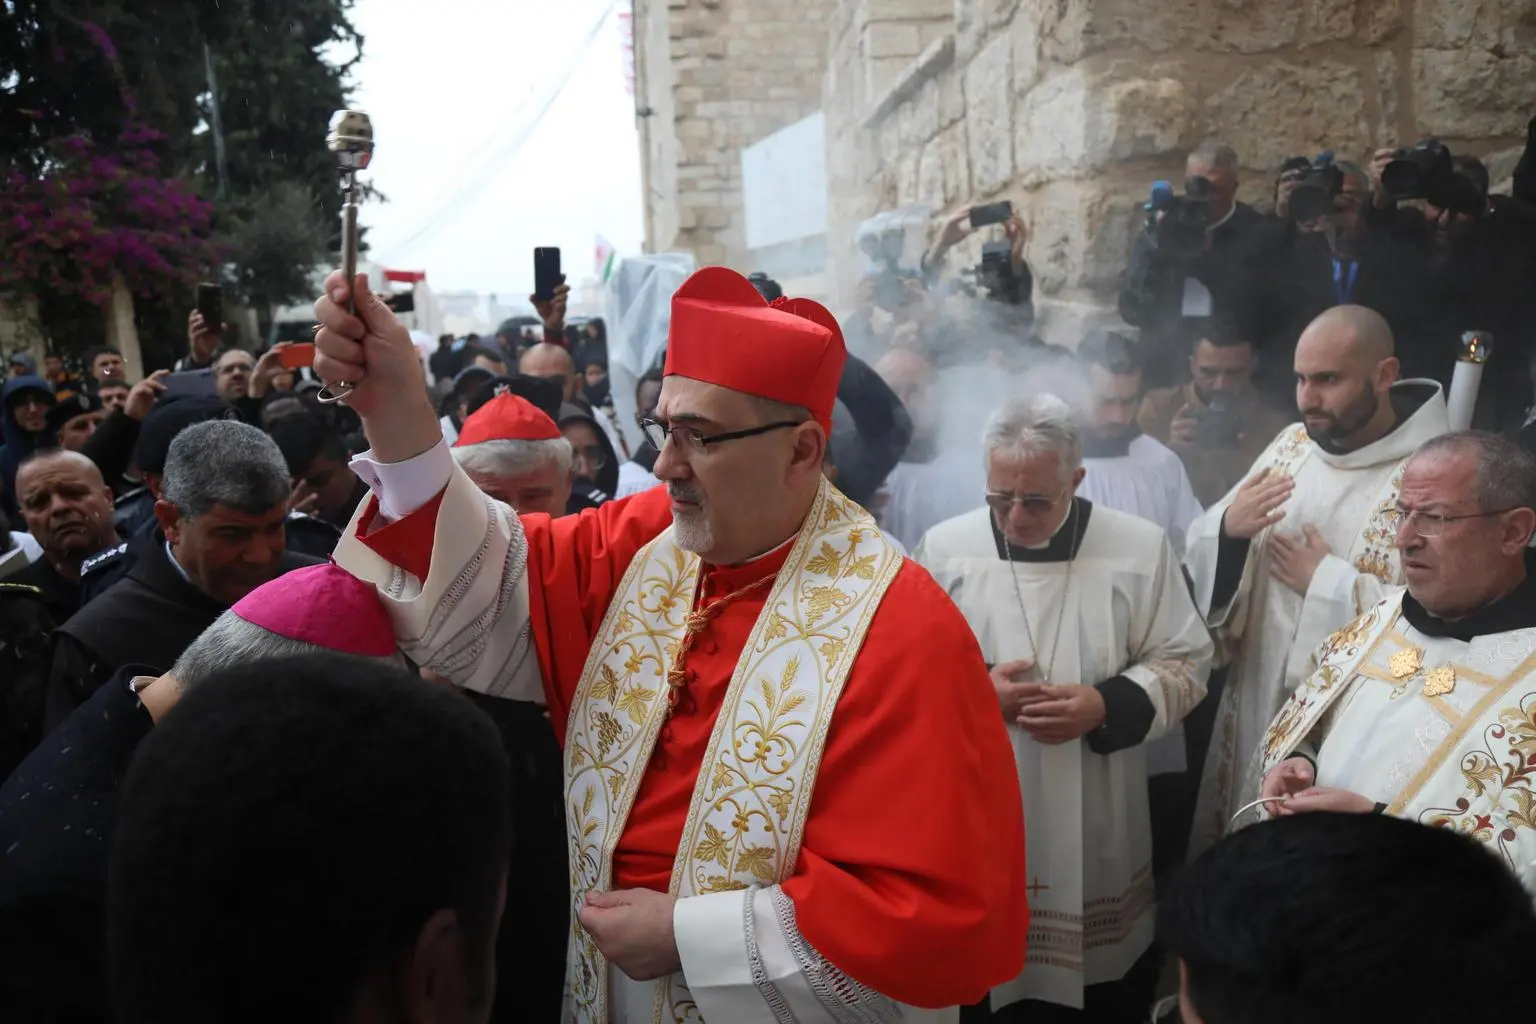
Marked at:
<point>911,876</point>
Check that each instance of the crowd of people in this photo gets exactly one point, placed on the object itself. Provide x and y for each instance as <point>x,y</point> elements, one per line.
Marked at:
<point>448,703</point>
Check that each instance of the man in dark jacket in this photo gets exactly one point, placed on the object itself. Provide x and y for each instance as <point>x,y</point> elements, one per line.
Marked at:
<point>596,462</point>
<point>24,405</point>
<point>221,534</point>
<point>1163,291</point>
<point>68,510</point>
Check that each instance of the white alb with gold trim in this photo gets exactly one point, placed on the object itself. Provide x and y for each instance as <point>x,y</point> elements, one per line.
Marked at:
<point>755,786</point>
<point>1442,731</point>
<point>1266,632</point>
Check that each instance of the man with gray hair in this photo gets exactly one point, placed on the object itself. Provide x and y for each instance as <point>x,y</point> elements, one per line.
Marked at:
<point>220,535</point>
<point>1169,288</point>
<point>58,810</point>
<point>515,453</point>
<point>1095,648</point>
<point>1425,706</point>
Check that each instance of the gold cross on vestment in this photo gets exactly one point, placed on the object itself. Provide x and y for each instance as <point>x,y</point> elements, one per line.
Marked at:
<point>1035,887</point>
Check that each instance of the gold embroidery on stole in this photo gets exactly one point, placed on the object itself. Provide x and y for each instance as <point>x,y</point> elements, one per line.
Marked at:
<point>753,792</point>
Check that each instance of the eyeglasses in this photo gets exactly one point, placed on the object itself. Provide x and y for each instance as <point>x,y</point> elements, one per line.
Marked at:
<point>690,440</point>
<point>1432,524</point>
<point>1002,502</point>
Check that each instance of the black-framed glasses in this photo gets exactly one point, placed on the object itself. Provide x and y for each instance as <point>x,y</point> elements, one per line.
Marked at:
<point>1432,524</point>
<point>690,440</point>
<point>1002,502</point>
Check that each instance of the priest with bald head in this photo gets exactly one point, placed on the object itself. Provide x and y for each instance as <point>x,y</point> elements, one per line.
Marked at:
<point>1304,543</point>
<point>788,791</point>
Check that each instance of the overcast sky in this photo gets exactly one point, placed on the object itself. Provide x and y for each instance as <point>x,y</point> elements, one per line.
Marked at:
<point>453,88</point>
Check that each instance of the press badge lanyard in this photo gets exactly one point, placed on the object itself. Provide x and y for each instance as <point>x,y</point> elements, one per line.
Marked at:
<point>1341,288</point>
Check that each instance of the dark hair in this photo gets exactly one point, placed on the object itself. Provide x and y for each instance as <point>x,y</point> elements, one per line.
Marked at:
<point>1473,169</point>
<point>1111,350</point>
<point>100,350</point>
<point>111,382</point>
<point>651,376</point>
<point>1328,919</point>
<point>304,437</point>
<point>471,351</point>
<point>290,828</point>
<point>1221,332</point>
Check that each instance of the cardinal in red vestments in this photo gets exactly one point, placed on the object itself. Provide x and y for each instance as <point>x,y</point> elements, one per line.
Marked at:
<point>789,790</point>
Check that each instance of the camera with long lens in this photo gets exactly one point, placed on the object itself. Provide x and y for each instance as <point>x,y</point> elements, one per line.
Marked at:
<point>1321,182</point>
<point>886,241</point>
<point>1176,224</point>
<point>1221,421</point>
<point>1426,172</point>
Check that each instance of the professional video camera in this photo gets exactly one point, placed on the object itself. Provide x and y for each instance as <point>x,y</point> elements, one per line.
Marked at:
<point>1176,224</point>
<point>1321,183</point>
<point>1426,172</point>
<point>995,277</point>
<point>889,240</point>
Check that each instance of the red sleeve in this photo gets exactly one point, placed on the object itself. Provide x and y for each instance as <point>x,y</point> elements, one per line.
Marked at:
<point>574,565</point>
<point>911,879</point>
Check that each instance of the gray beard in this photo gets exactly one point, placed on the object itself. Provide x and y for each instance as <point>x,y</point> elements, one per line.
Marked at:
<point>693,532</point>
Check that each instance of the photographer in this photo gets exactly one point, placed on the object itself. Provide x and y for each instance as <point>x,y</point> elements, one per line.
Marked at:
<point>1217,422</point>
<point>1478,254</point>
<point>1338,256</point>
<point>1180,273</point>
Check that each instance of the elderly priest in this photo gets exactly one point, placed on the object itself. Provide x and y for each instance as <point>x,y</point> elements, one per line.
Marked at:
<point>1425,706</point>
<point>743,672</point>
<point>1097,648</point>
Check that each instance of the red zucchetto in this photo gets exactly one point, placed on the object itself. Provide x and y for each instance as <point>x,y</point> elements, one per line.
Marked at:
<point>723,332</point>
<point>507,417</point>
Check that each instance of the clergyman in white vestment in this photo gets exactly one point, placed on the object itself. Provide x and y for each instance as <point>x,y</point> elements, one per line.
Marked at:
<point>1305,544</point>
<point>1096,648</point>
<point>1425,706</point>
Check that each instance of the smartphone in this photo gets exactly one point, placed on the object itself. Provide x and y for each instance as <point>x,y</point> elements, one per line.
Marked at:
<point>546,273</point>
<point>991,213</point>
<point>210,303</point>
<point>192,383</point>
<point>297,356</point>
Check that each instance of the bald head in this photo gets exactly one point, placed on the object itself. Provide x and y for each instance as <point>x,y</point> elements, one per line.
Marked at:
<point>552,363</point>
<point>1345,368</point>
<point>67,507</point>
<point>1347,332</point>
<point>909,374</point>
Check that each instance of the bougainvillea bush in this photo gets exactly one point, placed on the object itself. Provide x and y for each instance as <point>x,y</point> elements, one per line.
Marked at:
<point>92,213</point>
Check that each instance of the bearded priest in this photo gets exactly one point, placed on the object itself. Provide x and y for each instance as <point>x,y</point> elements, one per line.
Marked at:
<point>1425,707</point>
<point>788,794</point>
<point>1096,648</point>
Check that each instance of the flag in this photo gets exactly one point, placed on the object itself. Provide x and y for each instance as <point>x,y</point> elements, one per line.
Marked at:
<point>606,258</point>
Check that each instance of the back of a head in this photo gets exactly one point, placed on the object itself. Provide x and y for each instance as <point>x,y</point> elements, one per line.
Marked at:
<point>287,831</point>
<point>1343,918</point>
<point>305,436</point>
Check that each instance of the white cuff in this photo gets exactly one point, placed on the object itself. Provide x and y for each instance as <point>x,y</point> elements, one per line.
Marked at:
<point>404,487</point>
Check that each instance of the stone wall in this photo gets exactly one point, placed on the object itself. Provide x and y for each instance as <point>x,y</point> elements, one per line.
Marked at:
<point>713,77</point>
<point>1071,108</point>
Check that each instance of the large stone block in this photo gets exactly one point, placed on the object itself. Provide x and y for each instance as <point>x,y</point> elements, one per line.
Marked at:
<point>1378,20</point>
<point>1326,20</point>
<point>941,172</point>
<point>1278,110</point>
<point>1025,33</point>
<point>989,113</point>
<point>1518,33</point>
<point>951,97</point>
<point>1080,235</point>
<point>1456,24</point>
<point>1471,94</point>
<point>919,116</point>
<point>1389,86</point>
<point>1073,122</point>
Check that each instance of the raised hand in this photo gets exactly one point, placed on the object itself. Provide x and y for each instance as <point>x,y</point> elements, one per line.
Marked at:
<point>1256,504</point>
<point>372,351</point>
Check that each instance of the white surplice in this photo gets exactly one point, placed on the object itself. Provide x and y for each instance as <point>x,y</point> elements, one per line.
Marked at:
<point>1441,730</point>
<point>1148,481</point>
<point>1119,608</point>
<point>1267,631</point>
